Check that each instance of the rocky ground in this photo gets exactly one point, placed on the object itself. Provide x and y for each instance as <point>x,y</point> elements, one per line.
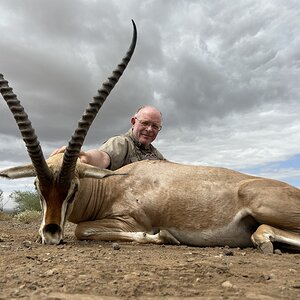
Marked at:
<point>102,270</point>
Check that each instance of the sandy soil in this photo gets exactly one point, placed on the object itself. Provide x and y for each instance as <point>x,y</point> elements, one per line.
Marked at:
<point>102,270</point>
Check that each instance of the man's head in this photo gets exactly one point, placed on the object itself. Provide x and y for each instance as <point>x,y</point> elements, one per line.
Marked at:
<point>146,124</point>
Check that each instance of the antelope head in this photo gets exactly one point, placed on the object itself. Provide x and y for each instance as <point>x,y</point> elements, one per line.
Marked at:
<point>57,178</point>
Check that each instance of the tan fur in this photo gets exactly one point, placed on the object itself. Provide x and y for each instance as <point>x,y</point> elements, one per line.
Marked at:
<point>164,202</point>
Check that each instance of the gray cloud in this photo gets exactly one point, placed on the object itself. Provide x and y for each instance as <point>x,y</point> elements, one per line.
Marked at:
<point>224,74</point>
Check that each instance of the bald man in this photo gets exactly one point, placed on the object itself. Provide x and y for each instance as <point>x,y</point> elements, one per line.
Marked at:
<point>132,146</point>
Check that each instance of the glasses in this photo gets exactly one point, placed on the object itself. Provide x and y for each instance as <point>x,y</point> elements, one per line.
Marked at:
<point>146,124</point>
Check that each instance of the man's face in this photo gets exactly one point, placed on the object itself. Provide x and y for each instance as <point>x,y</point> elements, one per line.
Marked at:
<point>146,125</point>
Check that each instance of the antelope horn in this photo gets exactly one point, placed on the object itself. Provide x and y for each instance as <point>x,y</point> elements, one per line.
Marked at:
<point>33,146</point>
<point>72,151</point>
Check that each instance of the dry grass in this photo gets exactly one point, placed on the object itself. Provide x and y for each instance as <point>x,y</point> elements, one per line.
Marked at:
<point>4,216</point>
<point>28,216</point>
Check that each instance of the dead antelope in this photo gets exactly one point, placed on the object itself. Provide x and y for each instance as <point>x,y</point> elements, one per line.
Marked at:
<point>152,201</point>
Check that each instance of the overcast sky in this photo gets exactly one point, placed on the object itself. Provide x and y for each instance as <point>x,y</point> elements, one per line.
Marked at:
<point>225,75</point>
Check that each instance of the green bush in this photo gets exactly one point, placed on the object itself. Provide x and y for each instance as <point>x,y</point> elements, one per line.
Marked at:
<point>26,200</point>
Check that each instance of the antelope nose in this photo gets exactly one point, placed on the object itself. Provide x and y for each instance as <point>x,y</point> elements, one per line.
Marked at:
<point>52,234</point>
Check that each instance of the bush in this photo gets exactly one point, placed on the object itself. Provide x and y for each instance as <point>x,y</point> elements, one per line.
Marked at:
<point>4,216</point>
<point>28,216</point>
<point>26,200</point>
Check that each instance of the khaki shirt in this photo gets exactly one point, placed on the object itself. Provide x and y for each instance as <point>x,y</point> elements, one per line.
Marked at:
<point>125,149</point>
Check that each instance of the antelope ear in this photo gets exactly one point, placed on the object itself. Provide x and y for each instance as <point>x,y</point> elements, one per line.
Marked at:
<point>87,171</point>
<point>19,172</point>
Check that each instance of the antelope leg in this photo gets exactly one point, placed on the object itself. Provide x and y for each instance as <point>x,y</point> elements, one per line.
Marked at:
<point>263,237</point>
<point>94,230</point>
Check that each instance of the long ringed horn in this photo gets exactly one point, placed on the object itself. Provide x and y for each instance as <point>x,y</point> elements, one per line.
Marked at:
<point>32,144</point>
<point>72,151</point>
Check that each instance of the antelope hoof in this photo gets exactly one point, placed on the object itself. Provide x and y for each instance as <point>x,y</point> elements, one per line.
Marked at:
<point>266,247</point>
<point>167,238</point>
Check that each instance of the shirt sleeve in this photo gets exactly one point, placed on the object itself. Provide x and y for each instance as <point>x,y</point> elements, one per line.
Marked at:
<point>117,149</point>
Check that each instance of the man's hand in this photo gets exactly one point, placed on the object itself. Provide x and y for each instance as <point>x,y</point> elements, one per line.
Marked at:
<point>83,156</point>
<point>59,150</point>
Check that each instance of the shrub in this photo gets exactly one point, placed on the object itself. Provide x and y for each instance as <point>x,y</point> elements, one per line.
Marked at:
<point>26,200</point>
<point>4,216</point>
<point>28,216</point>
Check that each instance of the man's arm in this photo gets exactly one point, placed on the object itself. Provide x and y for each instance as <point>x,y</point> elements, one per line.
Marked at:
<point>95,158</point>
<point>92,157</point>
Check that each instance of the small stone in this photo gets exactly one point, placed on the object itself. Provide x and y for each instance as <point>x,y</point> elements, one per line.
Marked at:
<point>277,251</point>
<point>116,246</point>
<point>228,252</point>
<point>51,272</point>
<point>190,260</point>
<point>227,284</point>
<point>266,276</point>
<point>293,271</point>
<point>27,244</point>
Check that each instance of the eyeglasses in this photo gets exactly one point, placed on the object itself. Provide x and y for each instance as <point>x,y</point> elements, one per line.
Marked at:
<point>146,124</point>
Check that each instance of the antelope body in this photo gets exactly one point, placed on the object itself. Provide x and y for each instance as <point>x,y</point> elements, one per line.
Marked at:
<point>153,201</point>
<point>163,202</point>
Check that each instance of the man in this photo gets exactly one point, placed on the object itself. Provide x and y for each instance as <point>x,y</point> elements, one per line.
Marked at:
<point>133,146</point>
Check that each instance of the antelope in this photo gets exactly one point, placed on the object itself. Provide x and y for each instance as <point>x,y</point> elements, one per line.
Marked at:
<point>159,202</point>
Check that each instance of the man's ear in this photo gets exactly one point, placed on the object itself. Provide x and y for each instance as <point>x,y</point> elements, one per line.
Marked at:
<point>133,121</point>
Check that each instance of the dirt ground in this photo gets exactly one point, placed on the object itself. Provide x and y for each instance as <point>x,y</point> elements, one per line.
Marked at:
<point>102,270</point>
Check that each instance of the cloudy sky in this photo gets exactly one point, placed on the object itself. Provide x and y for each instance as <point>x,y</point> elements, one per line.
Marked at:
<point>225,75</point>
